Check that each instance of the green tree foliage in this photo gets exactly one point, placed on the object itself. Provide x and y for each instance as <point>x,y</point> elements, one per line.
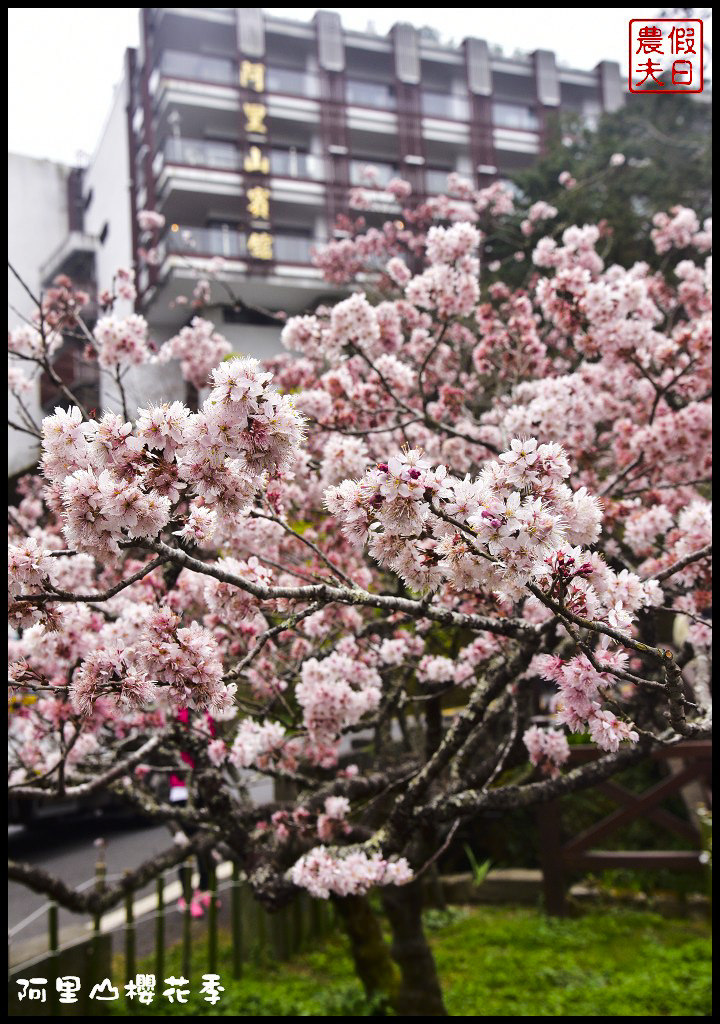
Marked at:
<point>666,140</point>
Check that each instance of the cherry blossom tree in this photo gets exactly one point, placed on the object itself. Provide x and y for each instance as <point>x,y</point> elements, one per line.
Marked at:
<point>448,490</point>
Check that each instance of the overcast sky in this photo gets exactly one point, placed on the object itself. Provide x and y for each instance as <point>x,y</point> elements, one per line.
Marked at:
<point>63,63</point>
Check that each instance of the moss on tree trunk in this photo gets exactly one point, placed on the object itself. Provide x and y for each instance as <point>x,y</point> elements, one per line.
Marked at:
<point>373,963</point>
<point>420,994</point>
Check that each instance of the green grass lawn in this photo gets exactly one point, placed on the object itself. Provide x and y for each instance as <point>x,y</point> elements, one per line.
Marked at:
<point>503,961</point>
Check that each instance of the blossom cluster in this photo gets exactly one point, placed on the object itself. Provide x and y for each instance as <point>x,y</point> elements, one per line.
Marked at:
<point>112,484</point>
<point>493,532</point>
<point>334,693</point>
<point>122,342</point>
<point>150,220</point>
<point>183,662</point>
<point>353,874</point>
<point>580,708</point>
<point>547,748</point>
<point>199,348</point>
<point>256,745</point>
<point>556,450</point>
<point>680,231</point>
<point>449,287</point>
<point>28,341</point>
<point>29,565</point>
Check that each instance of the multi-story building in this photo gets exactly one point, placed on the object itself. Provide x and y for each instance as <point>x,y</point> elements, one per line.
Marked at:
<point>42,217</point>
<point>249,133</point>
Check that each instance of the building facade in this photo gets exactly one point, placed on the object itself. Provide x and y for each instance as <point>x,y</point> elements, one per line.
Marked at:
<point>42,198</point>
<point>248,133</point>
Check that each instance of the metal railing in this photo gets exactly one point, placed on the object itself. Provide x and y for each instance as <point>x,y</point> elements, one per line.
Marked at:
<point>436,181</point>
<point>230,243</point>
<point>226,156</point>
<point>255,933</point>
<point>216,241</point>
<point>182,64</point>
<point>383,172</point>
<point>222,156</point>
<point>445,105</point>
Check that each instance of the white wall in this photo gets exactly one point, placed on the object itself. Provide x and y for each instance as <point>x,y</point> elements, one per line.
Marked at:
<point>108,176</point>
<point>108,179</point>
<point>38,201</point>
<point>259,340</point>
<point>37,226</point>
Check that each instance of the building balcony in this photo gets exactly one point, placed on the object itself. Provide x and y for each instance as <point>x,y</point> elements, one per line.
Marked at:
<point>196,67</point>
<point>223,71</point>
<point>202,154</point>
<point>382,172</point>
<point>446,106</point>
<point>220,156</point>
<point>74,257</point>
<point>220,254</point>
<point>515,141</point>
<point>231,244</point>
<point>191,174</point>
<point>192,82</point>
<point>285,83</point>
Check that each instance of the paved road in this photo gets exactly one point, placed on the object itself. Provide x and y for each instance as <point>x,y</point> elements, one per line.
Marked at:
<point>65,847</point>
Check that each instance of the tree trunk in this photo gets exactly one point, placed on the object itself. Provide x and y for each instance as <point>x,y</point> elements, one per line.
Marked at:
<point>373,963</point>
<point>420,994</point>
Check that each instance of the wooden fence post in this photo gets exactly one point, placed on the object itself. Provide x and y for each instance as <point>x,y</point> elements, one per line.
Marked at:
<point>130,965</point>
<point>160,931</point>
<point>187,921</point>
<point>100,877</point>
<point>278,934</point>
<point>212,921</point>
<point>549,824</point>
<point>53,945</point>
<point>236,923</point>
<point>261,929</point>
<point>315,918</point>
<point>296,921</point>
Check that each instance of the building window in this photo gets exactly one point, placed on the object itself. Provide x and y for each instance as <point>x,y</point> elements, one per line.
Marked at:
<point>221,239</point>
<point>289,245</point>
<point>370,94</point>
<point>290,163</point>
<point>512,115</point>
<point>82,376</point>
<point>444,104</point>
<point>371,172</point>
<point>436,180</point>
<point>288,80</point>
<point>217,239</point>
<point>223,156</point>
<point>195,66</point>
<point>293,245</point>
<point>591,111</point>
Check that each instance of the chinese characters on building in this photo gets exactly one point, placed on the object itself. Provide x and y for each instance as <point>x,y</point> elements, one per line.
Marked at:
<point>666,55</point>
<point>143,988</point>
<point>256,161</point>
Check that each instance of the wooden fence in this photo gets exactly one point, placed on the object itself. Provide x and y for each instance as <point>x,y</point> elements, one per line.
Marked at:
<point>255,935</point>
<point>689,764</point>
